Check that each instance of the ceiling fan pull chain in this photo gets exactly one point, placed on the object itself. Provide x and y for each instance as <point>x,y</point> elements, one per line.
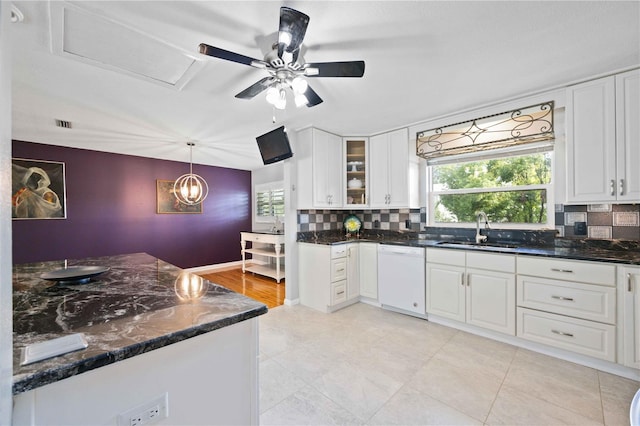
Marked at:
<point>273,112</point>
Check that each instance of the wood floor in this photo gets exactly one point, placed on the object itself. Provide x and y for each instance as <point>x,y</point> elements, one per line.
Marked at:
<point>257,287</point>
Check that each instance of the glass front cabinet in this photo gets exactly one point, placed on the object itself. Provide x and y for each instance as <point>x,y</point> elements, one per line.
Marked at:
<point>356,172</point>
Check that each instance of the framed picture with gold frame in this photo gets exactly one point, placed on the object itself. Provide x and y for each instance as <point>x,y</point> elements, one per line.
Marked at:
<point>167,203</point>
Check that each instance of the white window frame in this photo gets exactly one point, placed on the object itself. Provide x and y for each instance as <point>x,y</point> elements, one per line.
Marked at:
<point>549,224</point>
<point>266,187</point>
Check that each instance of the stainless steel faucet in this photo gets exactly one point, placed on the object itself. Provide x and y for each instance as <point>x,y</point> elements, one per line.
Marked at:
<point>479,237</point>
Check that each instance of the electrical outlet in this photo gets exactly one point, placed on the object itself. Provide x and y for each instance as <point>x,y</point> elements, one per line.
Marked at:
<point>580,228</point>
<point>146,414</point>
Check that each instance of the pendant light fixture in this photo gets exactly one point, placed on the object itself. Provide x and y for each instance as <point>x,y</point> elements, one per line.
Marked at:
<point>190,188</point>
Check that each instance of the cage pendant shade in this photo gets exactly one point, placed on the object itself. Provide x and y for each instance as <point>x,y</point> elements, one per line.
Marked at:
<point>190,188</point>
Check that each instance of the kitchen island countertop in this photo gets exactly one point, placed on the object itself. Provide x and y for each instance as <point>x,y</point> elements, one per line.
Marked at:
<point>137,306</point>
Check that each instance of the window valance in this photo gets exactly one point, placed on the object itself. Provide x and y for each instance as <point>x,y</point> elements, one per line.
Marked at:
<point>522,126</point>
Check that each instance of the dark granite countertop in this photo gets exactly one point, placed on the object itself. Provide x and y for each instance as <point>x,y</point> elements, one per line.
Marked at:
<point>137,306</point>
<point>529,243</point>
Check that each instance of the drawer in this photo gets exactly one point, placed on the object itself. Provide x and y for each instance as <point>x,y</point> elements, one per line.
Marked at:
<point>576,335</point>
<point>446,256</point>
<point>338,269</point>
<point>568,270</point>
<point>338,250</point>
<point>585,301</point>
<point>338,292</point>
<point>492,261</point>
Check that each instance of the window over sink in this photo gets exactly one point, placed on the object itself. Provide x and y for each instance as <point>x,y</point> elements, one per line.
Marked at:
<point>513,188</point>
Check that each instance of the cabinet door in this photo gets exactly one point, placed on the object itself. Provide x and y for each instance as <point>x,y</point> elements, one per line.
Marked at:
<point>630,278</point>
<point>591,139</point>
<point>368,259</point>
<point>398,174</point>
<point>327,170</point>
<point>356,168</point>
<point>446,291</point>
<point>353,271</point>
<point>628,135</point>
<point>379,170</point>
<point>491,300</point>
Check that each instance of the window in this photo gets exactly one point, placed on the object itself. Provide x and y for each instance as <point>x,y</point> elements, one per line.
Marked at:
<point>269,201</point>
<point>510,189</point>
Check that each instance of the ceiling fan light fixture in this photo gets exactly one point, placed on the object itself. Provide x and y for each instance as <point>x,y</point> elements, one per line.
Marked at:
<point>301,100</point>
<point>299,85</point>
<point>281,103</point>
<point>272,95</point>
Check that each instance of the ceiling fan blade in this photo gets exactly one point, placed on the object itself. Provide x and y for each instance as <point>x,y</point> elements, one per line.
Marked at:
<point>335,69</point>
<point>293,26</point>
<point>227,55</point>
<point>312,97</point>
<point>256,88</point>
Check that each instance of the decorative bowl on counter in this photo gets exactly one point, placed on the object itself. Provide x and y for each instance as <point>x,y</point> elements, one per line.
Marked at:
<point>74,274</point>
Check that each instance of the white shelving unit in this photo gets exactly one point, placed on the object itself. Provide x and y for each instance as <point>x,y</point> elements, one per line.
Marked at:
<point>274,251</point>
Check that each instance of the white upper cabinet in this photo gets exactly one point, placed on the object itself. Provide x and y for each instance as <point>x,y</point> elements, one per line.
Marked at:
<point>356,169</point>
<point>628,135</point>
<point>603,139</point>
<point>393,174</point>
<point>319,159</point>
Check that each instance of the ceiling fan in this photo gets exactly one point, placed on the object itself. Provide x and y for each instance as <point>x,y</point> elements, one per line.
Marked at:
<point>282,64</point>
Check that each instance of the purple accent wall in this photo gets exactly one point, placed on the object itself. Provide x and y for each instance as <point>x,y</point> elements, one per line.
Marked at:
<point>111,209</point>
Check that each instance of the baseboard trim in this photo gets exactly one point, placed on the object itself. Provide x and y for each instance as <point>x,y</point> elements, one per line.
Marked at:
<point>216,267</point>
<point>291,302</point>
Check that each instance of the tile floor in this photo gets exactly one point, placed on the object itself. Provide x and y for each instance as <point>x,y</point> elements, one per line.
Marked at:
<point>366,365</point>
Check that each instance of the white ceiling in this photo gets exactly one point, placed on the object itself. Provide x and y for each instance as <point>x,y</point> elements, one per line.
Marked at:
<point>424,59</point>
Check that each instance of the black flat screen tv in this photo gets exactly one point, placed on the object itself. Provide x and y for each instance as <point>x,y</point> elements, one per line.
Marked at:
<point>274,146</point>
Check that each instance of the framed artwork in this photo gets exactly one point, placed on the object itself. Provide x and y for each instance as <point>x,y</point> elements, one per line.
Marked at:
<point>168,203</point>
<point>37,189</point>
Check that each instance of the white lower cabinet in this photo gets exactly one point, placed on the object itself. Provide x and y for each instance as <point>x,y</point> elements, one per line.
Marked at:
<point>476,288</point>
<point>368,261</point>
<point>568,304</point>
<point>564,332</point>
<point>328,275</point>
<point>629,287</point>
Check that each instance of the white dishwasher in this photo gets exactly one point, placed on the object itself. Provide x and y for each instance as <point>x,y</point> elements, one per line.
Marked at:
<point>401,278</point>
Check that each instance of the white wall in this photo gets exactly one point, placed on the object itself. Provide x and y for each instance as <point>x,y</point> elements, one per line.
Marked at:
<point>6,311</point>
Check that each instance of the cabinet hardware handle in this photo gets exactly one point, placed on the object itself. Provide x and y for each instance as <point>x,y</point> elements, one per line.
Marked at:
<point>462,280</point>
<point>341,292</point>
<point>341,270</point>
<point>612,186</point>
<point>468,280</point>
<point>570,299</point>
<point>629,282</point>
<point>621,186</point>
<point>561,270</point>
<point>562,333</point>
<point>415,304</point>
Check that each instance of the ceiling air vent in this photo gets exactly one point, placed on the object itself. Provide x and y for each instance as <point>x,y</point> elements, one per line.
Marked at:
<point>63,123</point>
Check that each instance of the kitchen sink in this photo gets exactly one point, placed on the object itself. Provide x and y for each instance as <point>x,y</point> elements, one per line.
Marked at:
<point>472,245</point>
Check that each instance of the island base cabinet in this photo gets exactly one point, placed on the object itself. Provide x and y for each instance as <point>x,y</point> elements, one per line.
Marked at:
<point>572,334</point>
<point>211,379</point>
